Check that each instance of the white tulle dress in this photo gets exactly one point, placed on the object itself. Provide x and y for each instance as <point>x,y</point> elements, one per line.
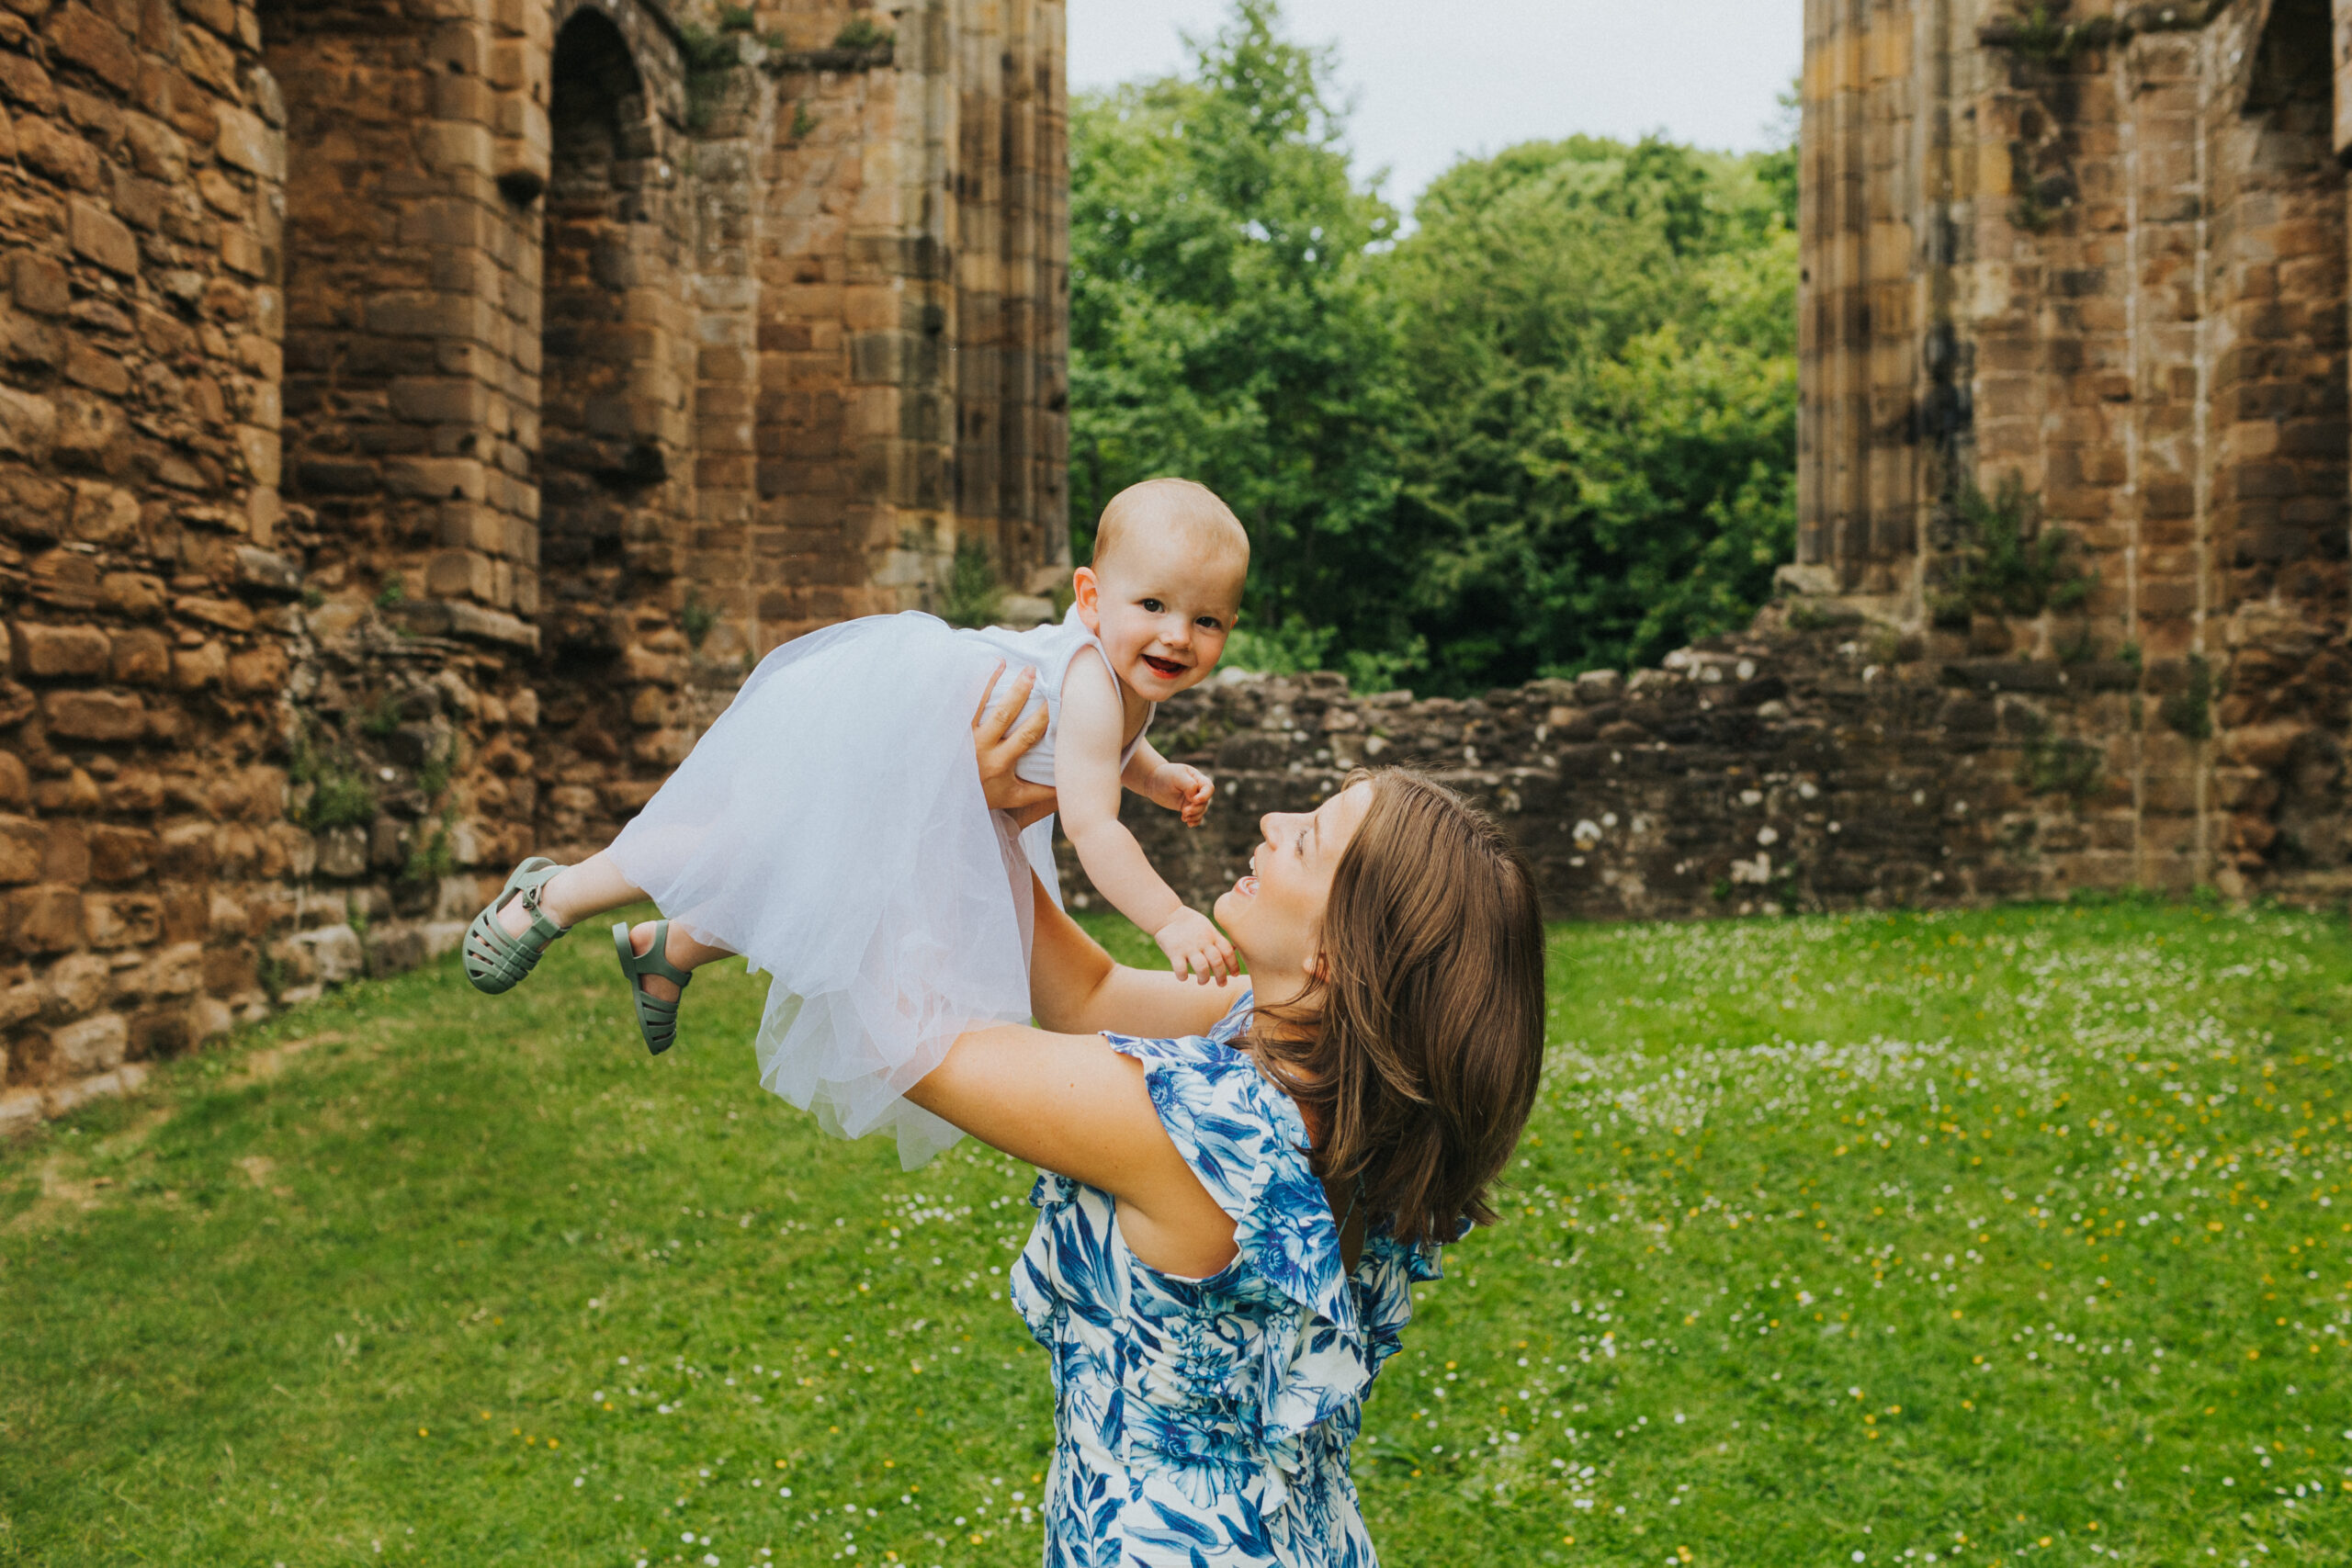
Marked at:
<point>830,828</point>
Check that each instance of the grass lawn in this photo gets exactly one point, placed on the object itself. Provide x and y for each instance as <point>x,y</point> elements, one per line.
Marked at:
<point>2009,1238</point>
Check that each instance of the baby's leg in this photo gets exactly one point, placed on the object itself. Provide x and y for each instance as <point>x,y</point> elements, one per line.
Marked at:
<point>592,887</point>
<point>680,950</point>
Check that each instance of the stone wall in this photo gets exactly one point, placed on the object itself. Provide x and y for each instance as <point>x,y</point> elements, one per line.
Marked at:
<point>2098,251</point>
<point>1821,761</point>
<point>417,415</point>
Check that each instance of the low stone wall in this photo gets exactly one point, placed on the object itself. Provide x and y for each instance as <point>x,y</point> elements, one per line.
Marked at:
<point>1825,765</point>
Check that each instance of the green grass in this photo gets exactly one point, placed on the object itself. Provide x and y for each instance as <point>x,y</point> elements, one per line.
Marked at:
<point>2012,1238</point>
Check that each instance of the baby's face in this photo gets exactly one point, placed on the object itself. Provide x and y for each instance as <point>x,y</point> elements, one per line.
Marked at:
<point>1163,613</point>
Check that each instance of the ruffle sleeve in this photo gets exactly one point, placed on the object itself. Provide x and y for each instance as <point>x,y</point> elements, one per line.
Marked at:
<point>1244,1139</point>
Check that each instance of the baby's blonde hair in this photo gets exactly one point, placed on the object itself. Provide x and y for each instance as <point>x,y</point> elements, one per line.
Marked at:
<point>1167,506</point>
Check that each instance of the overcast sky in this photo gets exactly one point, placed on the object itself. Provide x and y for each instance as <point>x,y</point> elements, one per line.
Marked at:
<point>1433,80</point>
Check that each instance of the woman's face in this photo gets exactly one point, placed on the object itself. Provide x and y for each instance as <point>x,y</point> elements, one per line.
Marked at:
<point>1274,913</point>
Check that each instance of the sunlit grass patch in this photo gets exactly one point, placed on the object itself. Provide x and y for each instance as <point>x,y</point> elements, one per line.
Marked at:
<point>2012,1238</point>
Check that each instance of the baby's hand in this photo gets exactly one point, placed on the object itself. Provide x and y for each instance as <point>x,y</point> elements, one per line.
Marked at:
<point>1193,945</point>
<point>1189,791</point>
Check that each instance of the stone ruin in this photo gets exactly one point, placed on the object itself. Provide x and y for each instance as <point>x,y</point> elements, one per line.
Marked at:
<point>415,417</point>
<point>2070,271</point>
<point>2097,252</point>
<point>416,414</point>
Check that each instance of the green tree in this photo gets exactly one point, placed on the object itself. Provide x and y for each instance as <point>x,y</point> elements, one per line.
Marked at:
<point>1552,429</point>
<point>1599,343</point>
<point>1222,326</point>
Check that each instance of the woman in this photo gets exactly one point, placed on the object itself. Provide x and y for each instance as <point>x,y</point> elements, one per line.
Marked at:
<point>1238,1202</point>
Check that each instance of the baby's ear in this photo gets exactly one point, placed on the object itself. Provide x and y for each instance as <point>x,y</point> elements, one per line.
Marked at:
<point>1087,591</point>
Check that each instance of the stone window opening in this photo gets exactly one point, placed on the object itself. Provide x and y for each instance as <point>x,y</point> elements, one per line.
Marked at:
<point>613,419</point>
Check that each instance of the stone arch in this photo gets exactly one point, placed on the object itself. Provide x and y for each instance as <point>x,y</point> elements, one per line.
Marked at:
<point>653,42</point>
<point>614,460</point>
<point>2293,60</point>
<point>348,71</point>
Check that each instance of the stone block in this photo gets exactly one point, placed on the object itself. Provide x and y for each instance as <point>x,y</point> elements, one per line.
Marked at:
<point>20,1110</point>
<point>459,574</point>
<point>23,847</point>
<point>194,668</point>
<point>28,425</point>
<point>54,148</point>
<point>90,432</point>
<point>103,514</point>
<point>100,235</point>
<point>89,366</point>
<point>229,615</point>
<point>118,922</point>
<point>2264,746</point>
<point>76,987</point>
<point>120,854</point>
<point>245,140</point>
<point>343,853</point>
<point>257,671</point>
<point>331,955</point>
<point>80,35</point>
<point>95,716</point>
<point>65,853</point>
<point>135,596</point>
<point>48,652</point>
<point>40,921</point>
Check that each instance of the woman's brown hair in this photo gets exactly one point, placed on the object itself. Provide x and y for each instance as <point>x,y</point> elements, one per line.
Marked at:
<point>1417,1050</point>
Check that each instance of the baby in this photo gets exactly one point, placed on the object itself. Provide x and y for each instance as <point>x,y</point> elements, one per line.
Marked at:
<point>830,827</point>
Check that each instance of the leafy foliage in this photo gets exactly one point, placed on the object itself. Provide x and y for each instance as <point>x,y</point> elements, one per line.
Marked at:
<point>2006,562</point>
<point>1552,429</point>
<point>341,794</point>
<point>863,32</point>
<point>1223,322</point>
<point>972,596</point>
<point>2189,711</point>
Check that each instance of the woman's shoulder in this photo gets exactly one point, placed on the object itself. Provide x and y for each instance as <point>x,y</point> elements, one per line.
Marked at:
<point>1235,1127</point>
<point>1195,1073</point>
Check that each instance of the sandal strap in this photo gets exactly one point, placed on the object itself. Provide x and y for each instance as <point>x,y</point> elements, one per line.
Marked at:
<point>496,961</point>
<point>657,1021</point>
<point>655,960</point>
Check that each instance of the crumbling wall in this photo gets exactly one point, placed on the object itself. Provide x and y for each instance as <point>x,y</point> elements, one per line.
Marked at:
<point>416,415</point>
<point>144,847</point>
<point>1822,761</point>
<point>2096,250</point>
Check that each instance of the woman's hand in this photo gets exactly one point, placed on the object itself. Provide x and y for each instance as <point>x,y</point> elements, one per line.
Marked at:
<point>1001,738</point>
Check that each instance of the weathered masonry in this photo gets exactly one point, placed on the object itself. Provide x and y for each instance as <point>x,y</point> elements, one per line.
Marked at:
<point>415,415</point>
<point>2096,252</point>
<point>2069,271</point>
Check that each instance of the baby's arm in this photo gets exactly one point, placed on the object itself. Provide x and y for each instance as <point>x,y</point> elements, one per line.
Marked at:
<point>1172,784</point>
<point>1087,778</point>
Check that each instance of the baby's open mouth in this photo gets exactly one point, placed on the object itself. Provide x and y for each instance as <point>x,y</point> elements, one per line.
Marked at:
<point>1165,669</point>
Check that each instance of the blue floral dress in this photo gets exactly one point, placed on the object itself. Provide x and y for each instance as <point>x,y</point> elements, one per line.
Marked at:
<point>1205,1423</point>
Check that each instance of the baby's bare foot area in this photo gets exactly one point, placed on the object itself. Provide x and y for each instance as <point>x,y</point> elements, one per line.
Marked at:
<point>515,918</point>
<point>640,941</point>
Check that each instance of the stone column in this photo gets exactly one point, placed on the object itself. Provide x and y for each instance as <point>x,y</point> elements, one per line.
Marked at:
<point>1873,169</point>
<point>414,333</point>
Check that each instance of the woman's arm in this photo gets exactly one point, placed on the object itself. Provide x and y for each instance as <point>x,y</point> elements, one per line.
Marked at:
<point>1074,986</point>
<point>1069,1103</point>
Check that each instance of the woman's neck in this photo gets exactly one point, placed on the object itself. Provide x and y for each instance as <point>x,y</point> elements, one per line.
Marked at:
<point>1279,990</point>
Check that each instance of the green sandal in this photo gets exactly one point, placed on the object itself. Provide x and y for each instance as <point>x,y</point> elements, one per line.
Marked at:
<point>656,1019</point>
<point>496,961</point>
